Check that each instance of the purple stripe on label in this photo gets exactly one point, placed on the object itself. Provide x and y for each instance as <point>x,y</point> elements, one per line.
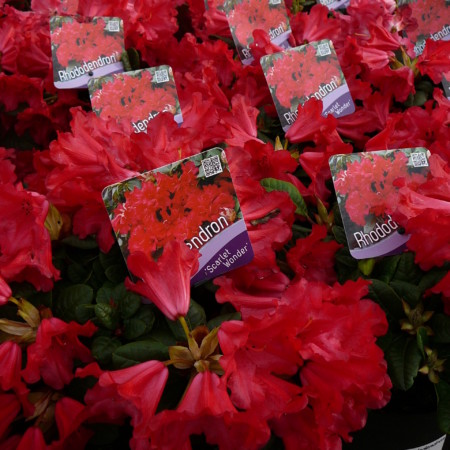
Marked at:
<point>391,245</point>
<point>339,102</point>
<point>227,251</point>
<point>336,4</point>
<point>82,82</point>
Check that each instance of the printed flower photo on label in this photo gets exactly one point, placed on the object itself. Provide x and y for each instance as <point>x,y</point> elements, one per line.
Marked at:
<point>367,188</point>
<point>430,19</point>
<point>245,16</point>
<point>310,71</point>
<point>136,97</point>
<point>191,201</point>
<point>82,50</point>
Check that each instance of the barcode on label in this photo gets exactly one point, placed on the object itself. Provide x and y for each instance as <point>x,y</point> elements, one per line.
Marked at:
<point>113,26</point>
<point>419,160</point>
<point>323,49</point>
<point>212,166</point>
<point>161,76</point>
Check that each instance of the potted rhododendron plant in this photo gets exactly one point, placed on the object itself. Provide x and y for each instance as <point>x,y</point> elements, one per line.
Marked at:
<point>115,331</point>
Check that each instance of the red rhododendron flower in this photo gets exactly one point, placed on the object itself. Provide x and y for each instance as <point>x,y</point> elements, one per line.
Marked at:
<point>206,408</point>
<point>5,292</point>
<point>435,60</point>
<point>313,258</point>
<point>167,281</point>
<point>32,438</point>
<point>8,413</point>
<point>142,387</point>
<point>60,340</point>
<point>317,25</point>
<point>444,287</point>
<point>25,251</point>
<point>416,127</point>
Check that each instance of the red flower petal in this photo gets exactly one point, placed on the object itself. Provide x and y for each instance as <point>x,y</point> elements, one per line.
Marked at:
<point>165,282</point>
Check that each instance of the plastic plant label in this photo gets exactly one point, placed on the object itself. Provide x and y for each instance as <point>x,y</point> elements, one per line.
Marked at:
<point>334,4</point>
<point>310,71</point>
<point>136,97</point>
<point>87,49</point>
<point>365,184</point>
<point>192,200</point>
<point>438,444</point>
<point>245,16</point>
<point>433,20</point>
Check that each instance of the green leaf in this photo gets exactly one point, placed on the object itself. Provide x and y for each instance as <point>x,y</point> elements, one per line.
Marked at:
<point>129,305</point>
<point>430,279</point>
<point>104,295</point>
<point>387,298</point>
<point>195,317</point>
<point>440,324</point>
<point>407,291</point>
<point>84,312</point>
<point>77,273</point>
<point>134,328</point>
<point>133,57</point>
<point>217,321</point>
<point>111,258</point>
<point>272,184</point>
<point>85,244</point>
<point>339,234</point>
<point>137,352</point>
<point>72,297</point>
<point>387,268</point>
<point>98,277</point>
<point>443,409</point>
<point>126,62</point>
<point>403,357</point>
<point>116,273</point>
<point>103,348</point>
<point>107,315</point>
<point>407,270</point>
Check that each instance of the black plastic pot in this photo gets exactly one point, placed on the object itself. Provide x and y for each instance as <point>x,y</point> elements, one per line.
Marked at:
<point>407,422</point>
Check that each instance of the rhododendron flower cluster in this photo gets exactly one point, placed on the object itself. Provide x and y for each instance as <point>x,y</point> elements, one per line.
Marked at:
<point>289,351</point>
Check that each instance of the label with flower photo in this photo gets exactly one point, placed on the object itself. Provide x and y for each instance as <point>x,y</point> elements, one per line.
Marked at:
<point>334,4</point>
<point>85,49</point>
<point>433,21</point>
<point>136,97</point>
<point>310,71</point>
<point>365,183</point>
<point>245,16</point>
<point>192,200</point>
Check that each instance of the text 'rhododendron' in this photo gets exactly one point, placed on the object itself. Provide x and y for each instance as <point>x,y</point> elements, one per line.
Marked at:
<point>104,343</point>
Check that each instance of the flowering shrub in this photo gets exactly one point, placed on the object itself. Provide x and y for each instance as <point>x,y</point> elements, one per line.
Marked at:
<point>290,350</point>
